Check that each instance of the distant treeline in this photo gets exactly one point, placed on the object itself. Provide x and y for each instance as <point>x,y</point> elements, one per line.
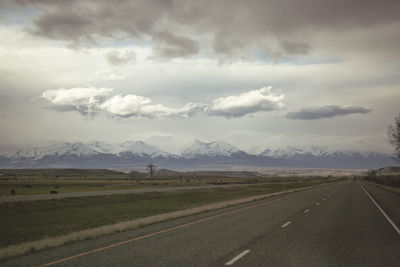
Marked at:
<point>384,179</point>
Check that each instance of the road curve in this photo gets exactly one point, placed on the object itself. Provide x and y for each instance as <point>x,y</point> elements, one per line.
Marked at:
<point>333,225</point>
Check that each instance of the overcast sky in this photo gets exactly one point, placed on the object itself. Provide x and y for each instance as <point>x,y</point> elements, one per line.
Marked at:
<point>256,74</point>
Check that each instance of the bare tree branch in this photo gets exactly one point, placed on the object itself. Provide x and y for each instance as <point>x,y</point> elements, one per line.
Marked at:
<point>394,135</point>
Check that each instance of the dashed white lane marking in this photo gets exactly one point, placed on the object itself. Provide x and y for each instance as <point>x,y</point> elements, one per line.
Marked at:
<point>286,224</point>
<point>317,203</point>
<point>323,199</point>
<point>307,210</point>
<point>384,213</point>
<point>232,261</point>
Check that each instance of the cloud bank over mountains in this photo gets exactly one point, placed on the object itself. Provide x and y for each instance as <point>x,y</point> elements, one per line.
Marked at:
<point>325,112</point>
<point>90,100</point>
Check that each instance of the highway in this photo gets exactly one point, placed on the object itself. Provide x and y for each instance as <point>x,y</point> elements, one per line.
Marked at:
<point>346,224</point>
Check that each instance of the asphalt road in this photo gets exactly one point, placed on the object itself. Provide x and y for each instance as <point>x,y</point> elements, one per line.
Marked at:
<point>333,225</point>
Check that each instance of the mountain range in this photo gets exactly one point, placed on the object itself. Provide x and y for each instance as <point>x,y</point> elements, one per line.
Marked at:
<point>199,155</point>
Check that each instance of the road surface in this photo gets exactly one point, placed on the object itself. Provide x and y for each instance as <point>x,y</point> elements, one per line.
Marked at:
<point>332,225</point>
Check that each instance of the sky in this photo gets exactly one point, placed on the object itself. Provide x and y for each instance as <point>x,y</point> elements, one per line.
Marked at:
<point>257,74</point>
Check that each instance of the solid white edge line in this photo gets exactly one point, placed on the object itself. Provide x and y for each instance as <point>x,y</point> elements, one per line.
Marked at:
<point>381,210</point>
<point>232,261</point>
<point>286,224</point>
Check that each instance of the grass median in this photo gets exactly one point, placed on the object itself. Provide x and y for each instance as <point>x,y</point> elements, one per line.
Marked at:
<point>32,220</point>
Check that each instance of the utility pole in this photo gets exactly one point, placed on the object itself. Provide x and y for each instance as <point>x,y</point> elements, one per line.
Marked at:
<point>151,168</point>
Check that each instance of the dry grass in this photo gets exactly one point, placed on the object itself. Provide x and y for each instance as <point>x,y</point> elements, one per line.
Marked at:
<point>386,187</point>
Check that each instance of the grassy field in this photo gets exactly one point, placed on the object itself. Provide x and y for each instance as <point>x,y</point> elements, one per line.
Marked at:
<point>31,174</point>
<point>32,220</point>
<point>43,181</point>
<point>395,189</point>
<point>34,187</point>
<point>44,186</point>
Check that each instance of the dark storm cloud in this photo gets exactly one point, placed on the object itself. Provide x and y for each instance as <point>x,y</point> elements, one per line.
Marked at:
<point>325,112</point>
<point>233,25</point>
<point>121,58</point>
<point>83,110</point>
<point>172,45</point>
<point>64,26</point>
<point>293,48</point>
<point>82,21</point>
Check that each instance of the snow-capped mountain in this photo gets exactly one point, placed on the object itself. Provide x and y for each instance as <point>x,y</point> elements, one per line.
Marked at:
<point>140,148</point>
<point>80,149</point>
<point>291,151</point>
<point>211,149</point>
<point>105,148</point>
<point>315,151</point>
<point>197,155</point>
<point>281,153</point>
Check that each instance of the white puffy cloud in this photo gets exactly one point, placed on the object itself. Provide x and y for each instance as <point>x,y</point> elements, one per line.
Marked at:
<point>134,106</point>
<point>125,105</point>
<point>83,100</point>
<point>142,107</point>
<point>89,100</point>
<point>264,99</point>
